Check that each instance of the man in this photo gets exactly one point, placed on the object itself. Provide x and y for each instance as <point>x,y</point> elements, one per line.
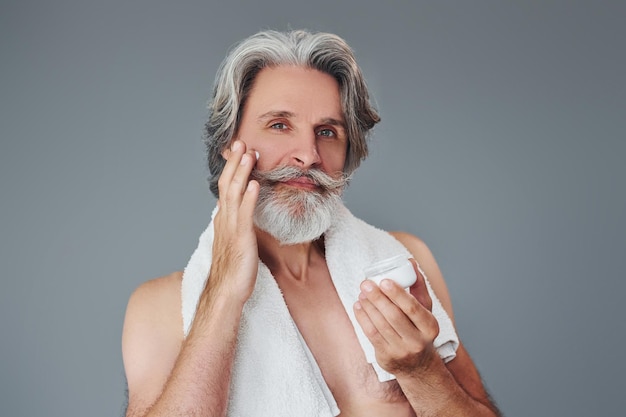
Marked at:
<point>288,122</point>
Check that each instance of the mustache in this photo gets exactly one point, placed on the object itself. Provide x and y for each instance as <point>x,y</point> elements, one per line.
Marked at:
<point>288,173</point>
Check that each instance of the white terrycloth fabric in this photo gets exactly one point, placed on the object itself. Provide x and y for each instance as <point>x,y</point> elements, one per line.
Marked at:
<point>274,372</point>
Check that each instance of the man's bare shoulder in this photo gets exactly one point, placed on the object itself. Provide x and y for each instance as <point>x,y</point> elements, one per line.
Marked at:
<point>413,243</point>
<point>152,336</point>
<point>157,301</point>
<point>158,288</point>
<point>418,249</point>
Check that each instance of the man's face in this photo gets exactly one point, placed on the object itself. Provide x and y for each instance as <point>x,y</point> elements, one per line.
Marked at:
<point>293,118</point>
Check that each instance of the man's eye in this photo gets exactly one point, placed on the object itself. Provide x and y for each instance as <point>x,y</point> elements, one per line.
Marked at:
<point>326,132</point>
<point>279,126</point>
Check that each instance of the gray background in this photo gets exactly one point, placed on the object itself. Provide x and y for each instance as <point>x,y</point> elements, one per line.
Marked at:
<point>502,146</point>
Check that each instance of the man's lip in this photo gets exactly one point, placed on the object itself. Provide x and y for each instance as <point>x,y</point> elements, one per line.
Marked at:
<point>301,182</point>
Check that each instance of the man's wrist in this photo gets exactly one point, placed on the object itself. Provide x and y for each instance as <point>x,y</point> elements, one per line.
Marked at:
<point>217,307</point>
<point>434,380</point>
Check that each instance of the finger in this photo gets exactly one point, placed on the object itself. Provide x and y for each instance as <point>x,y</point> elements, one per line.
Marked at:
<point>364,321</point>
<point>238,185</point>
<point>248,203</point>
<point>233,161</point>
<point>419,290</point>
<point>419,317</point>
<point>377,307</point>
<point>401,310</point>
<point>367,325</point>
<point>239,182</point>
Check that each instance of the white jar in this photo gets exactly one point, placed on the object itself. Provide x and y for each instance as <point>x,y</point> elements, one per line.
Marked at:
<point>397,268</point>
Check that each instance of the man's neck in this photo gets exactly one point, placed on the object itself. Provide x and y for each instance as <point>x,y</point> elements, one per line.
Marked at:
<point>290,261</point>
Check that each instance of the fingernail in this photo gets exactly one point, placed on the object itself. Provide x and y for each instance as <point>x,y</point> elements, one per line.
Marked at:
<point>245,159</point>
<point>357,306</point>
<point>368,286</point>
<point>236,145</point>
<point>386,284</point>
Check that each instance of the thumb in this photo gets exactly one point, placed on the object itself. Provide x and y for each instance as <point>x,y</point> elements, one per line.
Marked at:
<point>419,289</point>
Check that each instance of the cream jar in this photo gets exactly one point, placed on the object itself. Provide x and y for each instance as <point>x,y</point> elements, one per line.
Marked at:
<point>398,268</point>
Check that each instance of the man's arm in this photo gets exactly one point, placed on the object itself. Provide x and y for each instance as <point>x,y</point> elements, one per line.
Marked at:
<point>402,329</point>
<point>169,376</point>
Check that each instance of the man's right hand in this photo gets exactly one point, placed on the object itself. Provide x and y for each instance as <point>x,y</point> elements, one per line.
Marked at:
<point>167,373</point>
<point>235,251</point>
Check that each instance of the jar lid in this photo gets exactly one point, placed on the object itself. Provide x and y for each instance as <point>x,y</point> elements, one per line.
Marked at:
<point>385,265</point>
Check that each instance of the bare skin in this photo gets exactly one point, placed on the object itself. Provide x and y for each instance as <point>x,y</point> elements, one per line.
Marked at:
<point>351,379</point>
<point>172,375</point>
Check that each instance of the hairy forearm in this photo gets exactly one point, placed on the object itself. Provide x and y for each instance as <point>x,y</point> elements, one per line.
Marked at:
<point>200,380</point>
<point>433,391</point>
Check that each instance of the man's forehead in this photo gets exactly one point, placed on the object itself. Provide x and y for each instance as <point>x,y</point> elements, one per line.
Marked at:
<point>296,92</point>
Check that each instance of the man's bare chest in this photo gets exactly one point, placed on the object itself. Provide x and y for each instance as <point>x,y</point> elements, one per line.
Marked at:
<point>329,334</point>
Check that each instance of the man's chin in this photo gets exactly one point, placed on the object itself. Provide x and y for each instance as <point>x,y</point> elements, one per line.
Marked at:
<point>295,216</point>
<point>292,236</point>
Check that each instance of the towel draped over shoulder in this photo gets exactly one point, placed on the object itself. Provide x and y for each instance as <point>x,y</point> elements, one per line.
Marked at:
<point>274,372</point>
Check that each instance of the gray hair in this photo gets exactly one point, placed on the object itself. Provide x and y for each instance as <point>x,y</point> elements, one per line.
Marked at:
<point>324,52</point>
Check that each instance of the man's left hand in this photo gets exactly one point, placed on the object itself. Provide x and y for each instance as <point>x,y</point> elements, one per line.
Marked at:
<point>399,324</point>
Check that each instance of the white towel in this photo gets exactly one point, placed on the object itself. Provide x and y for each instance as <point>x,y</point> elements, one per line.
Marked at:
<point>274,372</point>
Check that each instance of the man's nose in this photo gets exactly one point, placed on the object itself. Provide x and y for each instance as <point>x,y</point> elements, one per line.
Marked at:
<point>304,152</point>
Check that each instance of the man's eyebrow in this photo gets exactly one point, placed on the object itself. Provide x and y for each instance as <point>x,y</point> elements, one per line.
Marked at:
<point>288,114</point>
<point>276,113</point>
<point>334,122</point>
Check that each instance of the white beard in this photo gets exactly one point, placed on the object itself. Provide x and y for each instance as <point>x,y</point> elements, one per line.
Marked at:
<point>294,216</point>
